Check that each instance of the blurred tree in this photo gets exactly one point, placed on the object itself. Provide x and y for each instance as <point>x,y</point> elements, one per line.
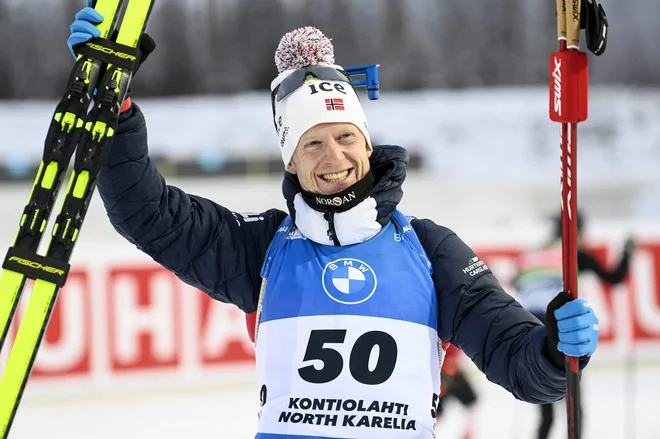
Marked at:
<point>261,30</point>
<point>226,46</point>
<point>53,49</point>
<point>426,43</point>
<point>502,29</point>
<point>6,79</point>
<point>338,25</point>
<point>632,49</point>
<point>465,40</point>
<point>539,39</point>
<point>220,47</point>
<point>394,68</point>
<point>367,22</point>
<point>22,51</point>
<point>172,66</point>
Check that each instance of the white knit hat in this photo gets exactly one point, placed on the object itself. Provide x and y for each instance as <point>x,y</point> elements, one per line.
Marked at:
<point>317,100</point>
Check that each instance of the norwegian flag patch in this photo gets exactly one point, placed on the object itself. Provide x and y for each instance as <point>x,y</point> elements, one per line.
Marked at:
<point>335,104</point>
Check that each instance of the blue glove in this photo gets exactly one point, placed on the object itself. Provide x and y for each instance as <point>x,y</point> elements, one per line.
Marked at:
<point>578,328</point>
<point>572,329</point>
<point>84,29</point>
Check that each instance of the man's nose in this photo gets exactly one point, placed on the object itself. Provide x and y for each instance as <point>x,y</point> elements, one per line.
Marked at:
<point>335,151</point>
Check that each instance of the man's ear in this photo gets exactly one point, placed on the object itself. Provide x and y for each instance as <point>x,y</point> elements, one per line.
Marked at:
<point>291,168</point>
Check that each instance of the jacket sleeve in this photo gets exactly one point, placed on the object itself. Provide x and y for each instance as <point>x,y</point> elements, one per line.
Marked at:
<point>475,314</point>
<point>203,243</point>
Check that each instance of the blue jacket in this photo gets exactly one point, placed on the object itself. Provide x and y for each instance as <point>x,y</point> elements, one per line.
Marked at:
<point>217,251</point>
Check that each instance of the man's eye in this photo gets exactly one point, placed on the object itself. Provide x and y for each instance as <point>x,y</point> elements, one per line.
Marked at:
<point>312,143</point>
<point>346,135</point>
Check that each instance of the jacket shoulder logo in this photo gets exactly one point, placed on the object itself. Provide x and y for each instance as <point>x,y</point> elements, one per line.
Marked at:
<point>475,266</point>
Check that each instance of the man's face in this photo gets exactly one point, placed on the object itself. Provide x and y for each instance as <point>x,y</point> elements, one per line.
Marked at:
<point>330,157</point>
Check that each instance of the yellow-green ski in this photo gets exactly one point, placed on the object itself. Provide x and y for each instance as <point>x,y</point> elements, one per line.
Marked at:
<point>59,146</point>
<point>91,136</point>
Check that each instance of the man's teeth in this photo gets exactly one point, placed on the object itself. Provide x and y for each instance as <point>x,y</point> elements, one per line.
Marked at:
<point>339,176</point>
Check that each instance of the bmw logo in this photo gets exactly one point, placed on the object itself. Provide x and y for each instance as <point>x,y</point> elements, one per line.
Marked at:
<point>349,281</point>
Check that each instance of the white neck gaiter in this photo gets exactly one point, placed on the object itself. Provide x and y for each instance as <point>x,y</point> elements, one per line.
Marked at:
<point>355,225</point>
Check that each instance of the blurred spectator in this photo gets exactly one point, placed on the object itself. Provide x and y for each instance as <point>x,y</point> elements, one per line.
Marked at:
<point>455,384</point>
<point>540,276</point>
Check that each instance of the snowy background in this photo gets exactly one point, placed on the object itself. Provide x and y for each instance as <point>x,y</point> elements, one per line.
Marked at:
<point>472,137</point>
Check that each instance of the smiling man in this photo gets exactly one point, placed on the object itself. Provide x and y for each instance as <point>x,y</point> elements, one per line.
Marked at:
<point>354,302</point>
<point>331,158</point>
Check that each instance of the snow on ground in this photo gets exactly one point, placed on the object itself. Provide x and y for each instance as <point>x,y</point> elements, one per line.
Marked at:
<point>613,410</point>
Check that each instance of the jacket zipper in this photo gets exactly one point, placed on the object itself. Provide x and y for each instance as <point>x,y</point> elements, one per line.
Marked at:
<point>332,233</point>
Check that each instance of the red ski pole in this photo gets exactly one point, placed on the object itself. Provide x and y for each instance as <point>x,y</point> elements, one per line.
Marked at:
<point>568,105</point>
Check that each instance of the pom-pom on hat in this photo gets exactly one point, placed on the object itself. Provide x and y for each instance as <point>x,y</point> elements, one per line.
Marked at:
<point>317,100</point>
<point>303,47</point>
